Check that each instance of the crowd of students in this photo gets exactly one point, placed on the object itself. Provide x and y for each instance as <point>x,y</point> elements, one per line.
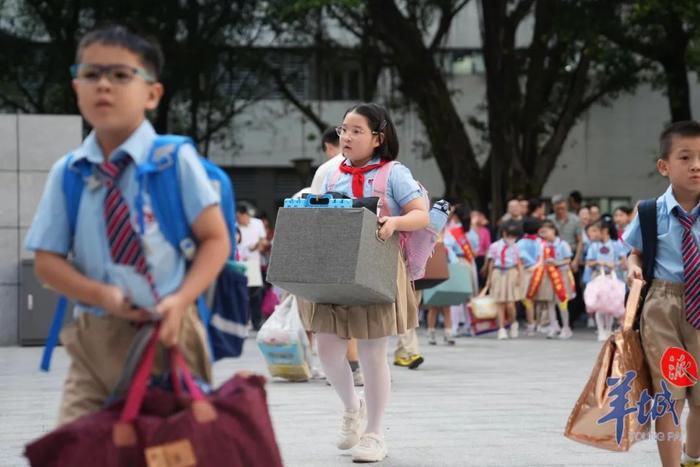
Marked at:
<point>535,260</point>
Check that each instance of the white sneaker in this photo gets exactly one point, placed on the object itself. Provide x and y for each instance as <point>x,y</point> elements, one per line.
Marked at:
<point>514,330</point>
<point>353,425</point>
<point>566,333</point>
<point>370,449</point>
<point>502,334</point>
<point>530,330</point>
<point>687,461</point>
<point>317,373</point>
<point>431,337</point>
<point>552,333</point>
<point>602,336</point>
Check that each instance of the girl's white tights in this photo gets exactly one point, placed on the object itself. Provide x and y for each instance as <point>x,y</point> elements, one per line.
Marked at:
<point>553,315</point>
<point>458,316</point>
<point>604,322</point>
<point>375,370</point>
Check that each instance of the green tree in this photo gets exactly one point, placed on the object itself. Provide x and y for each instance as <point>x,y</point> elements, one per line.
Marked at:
<point>206,45</point>
<point>535,93</point>
<point>664,33</point>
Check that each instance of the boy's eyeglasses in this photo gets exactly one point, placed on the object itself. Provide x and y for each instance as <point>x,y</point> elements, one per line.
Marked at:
<point>354,132</point>
<point>116,74</point>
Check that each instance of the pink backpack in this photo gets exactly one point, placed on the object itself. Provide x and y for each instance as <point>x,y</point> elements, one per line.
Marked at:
<point>417,246</point>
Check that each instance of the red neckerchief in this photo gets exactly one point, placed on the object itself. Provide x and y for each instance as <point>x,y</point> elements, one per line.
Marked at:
<point>503,254</point>
<point>358,176</point>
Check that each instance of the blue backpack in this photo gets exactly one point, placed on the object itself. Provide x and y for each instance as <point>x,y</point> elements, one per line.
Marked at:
<point>158,175</point>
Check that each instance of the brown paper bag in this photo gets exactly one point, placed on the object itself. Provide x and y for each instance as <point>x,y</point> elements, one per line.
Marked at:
<point>436,270</point>
<point>621,353</point>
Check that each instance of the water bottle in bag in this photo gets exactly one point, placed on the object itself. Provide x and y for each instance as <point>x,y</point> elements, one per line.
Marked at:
<point>438,216</point>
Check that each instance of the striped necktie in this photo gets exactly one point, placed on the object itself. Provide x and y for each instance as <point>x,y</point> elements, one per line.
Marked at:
<point>124,242</point>
<point>691,268</point>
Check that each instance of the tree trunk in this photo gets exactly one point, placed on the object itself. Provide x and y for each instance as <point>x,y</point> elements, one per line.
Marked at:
<point>677,87</point>
<point>423,84</point>
<point>503,97</point>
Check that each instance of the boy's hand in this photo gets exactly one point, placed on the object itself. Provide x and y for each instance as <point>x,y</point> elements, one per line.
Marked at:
<point>634,272</point>
<point>114,302</point>
<point>387,227</point>
<point>172,308</point>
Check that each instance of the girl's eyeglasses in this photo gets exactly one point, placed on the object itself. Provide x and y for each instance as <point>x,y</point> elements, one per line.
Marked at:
<point>354,132</point>
<point>116,74</point>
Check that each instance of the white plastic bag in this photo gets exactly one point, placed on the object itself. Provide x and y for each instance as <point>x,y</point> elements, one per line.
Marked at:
<point>283,342</point>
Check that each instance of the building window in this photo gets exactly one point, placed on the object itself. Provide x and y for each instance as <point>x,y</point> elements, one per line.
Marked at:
<point>247,83</point>
<point>341,84</point>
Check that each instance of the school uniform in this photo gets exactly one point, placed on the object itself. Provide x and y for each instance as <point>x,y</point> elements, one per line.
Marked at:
<point>546,292</point>
<point>504,287</point>
<point>607,252</point>
<point>98,342</point>
<point>371,321</point>
<point>531,252</point>
<point>456,251</point>
<point>664,322</point>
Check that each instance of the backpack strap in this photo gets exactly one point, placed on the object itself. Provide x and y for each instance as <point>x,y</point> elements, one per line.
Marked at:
<point>74,176</point>
<point>158,176</point>
<point>380,187</point>
<point>333,177</point>
<point>647,222</point>
<point>73,183</point>
<point>52,339</point>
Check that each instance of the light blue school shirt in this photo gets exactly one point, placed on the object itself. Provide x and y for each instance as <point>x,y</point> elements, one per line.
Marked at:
<point>609,252</point>
<point>669,260</point>
<point>530,251</point>
<point>401,186</point>
<point>50,229</point>
<point>562,250</point>
<point>512,256</point>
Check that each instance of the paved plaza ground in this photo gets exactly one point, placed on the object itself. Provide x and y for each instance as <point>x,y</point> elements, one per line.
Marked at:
<point>480,403</point>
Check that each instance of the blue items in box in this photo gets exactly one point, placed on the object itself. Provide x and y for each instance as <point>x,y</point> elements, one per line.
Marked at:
<point>313,201</point>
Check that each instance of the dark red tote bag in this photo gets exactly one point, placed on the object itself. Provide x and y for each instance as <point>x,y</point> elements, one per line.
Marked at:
<point>157,428</point>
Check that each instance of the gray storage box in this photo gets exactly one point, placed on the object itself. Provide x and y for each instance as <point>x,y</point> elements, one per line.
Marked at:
<point>329,255</point>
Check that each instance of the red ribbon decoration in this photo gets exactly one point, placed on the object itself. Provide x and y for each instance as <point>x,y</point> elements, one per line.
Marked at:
<point>461,237</point>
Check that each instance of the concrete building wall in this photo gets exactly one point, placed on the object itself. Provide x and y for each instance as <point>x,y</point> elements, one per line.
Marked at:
<point>30,145</point>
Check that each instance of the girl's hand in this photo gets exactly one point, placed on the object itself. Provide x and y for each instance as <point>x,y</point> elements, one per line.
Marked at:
<point>173,309</point>
<point>387,227</point>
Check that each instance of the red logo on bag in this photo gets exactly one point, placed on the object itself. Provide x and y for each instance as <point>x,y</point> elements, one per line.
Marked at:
<point>679,367</point>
